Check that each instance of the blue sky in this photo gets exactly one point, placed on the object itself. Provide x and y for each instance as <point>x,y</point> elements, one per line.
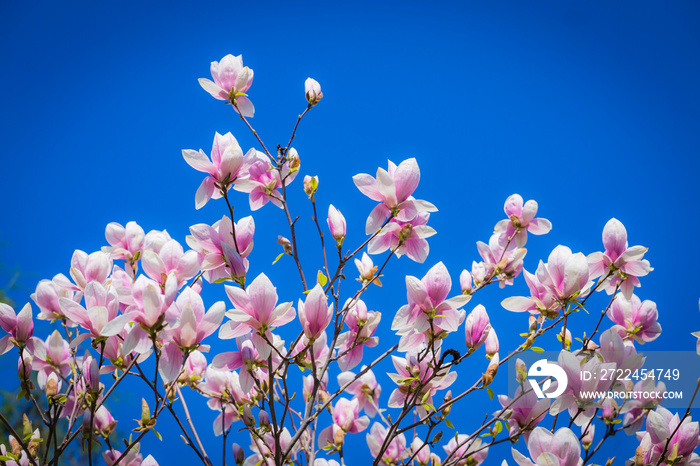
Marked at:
<point>591,109</point>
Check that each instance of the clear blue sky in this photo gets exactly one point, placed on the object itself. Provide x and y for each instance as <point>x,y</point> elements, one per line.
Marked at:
<point>590,108</point>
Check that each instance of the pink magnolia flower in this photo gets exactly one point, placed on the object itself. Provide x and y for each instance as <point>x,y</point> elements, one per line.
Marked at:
<point>405,237</point>
<point>660,424</point>
<point>565,274</point>
<point>501,260</point>
<point>315,314</point>
<point>468,452</point>
<point>346,415</point>
<point>525,410</point>
<point>635,319</point>
<point>194,324</point>
<point>646,395</point>
<point>336,224</point>
<point>541,299</point>
<point>521,219</point>
<point>313,91</point>
<point>57,359</point>
<point>561,448</point>
<point>361,324</point>
<point>222,256</point>
<point>125,242</point>
<point>624,262</point>
<point>421,450</point>
<point>171,260</point>
<point>476,328</point>
<point>416,374</point>
<point>194,367</point>
<point>132,458</point>
<point>263,183</point>
<point>253,366</point>
<point>231,81</point>
<point>147,306</point>
<point>368,271</point>
<point>47,294</point>
<point>100,314</point>
<point>256,309</point>
<point>393,453</point>
<point>85,269</point>
<point>428,314</point>
<point>365,388</point>
<point>393,189</point>
<point>225,167</point>
<point>20,328</point>
<point>491,343</point>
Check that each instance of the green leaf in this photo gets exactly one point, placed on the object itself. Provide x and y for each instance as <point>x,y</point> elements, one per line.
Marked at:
<point>5,458</point>
<point>537,349</point>
<point>278,258</point>
<point>157,434</point>
<point>490,392</point>
<point>449,424</point>
<point>321,279</point>
<point>498,427</point>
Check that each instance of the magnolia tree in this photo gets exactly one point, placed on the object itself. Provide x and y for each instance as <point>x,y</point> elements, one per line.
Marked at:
<point>133,311</point>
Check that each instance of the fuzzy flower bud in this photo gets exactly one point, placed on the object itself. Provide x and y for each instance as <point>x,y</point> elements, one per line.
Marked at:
<point>238,454</point>
<point>310,185</point>
<point>313,91</point>
<point>336,223</point>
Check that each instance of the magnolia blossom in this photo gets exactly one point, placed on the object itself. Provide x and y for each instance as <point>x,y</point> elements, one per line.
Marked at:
<point>625,263</point>
<point>125,242</point>
<point>336,223</point>
<point>57,359</point>
<point>20,328</point>
<point>85,269</point>
<point>416,374</point>
<point>194,324</point>
<point>46,297</point>
<point>247,358</point>
<point>365,388</point>
<point>393,189</point>
<point>171,260</point>
<point>565,274</point>
<point>227,164</point>
<point>223,256</point>
<point>561,448</point>
<point>476,328</point>
<point>315,314</point>
<point>394,452</point>
<point>361,324</point>
<point>635,319</point>
<point>660,425</point>
<point>541,299</point>
<point>429,315</point>
<point>132,458</point>
<point>100,316</point>
<point>467,452</point>
<point>231,81</point>
<point>263,183</point>
<point>524,410</point>
<point>346,416</point>
<point>313,91</point>
<point>256,309</point>
<point>501,259</point>
<point>521,219</point>
<point>404,238</point>
<point>368,271</point>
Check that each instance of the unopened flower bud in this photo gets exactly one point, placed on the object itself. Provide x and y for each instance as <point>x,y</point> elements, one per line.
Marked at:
<point>336,223</point>
<point>264,418</point>
<point>476,328</point>
<point>339,437</point>
<point>15,446</point>
<point>446,410</point>
<point>465,282</point>
<point>310,185</point>
<point>238,454</point>
<point>532,323</point>
<point>520,371</point>
<point>286,245</point>
<point>405,233</point>
<point>247,417</point>
<point>293,160</point>
<point>491,371</point>
<point>435,460</point>
<point>491,343</point>
<point>145,413</point>
<point>51,386</point>
<point>313,91</point>
<point>587,435</point>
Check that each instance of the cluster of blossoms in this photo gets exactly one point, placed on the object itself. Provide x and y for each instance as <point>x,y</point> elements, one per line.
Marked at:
<point>138,302</point>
